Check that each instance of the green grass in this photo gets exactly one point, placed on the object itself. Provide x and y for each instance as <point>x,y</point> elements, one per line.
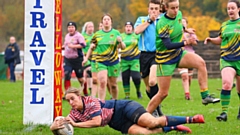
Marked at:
<point>11,110</point>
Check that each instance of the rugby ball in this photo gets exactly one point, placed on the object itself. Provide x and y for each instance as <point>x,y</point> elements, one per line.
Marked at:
<point>67,130</point>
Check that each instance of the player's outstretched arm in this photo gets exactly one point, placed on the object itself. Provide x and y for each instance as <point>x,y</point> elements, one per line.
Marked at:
<point>215,41</point>
<point>94,122</point>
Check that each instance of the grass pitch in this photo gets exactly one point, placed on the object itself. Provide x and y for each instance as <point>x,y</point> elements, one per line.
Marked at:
<point>11,110</point>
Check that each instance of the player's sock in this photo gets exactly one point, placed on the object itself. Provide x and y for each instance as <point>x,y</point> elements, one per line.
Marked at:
<point>204,93</point>
<point>85,92</point>
<point>67,84</point>
<point>148,94</point>
<point>187,96</point>
<point>176,120</point>
<point>225,99</point>
<point>179,128</point>
<point>153,92</point>
<point>137,86</point>
<point>168,129</point>
<point>126,90</point>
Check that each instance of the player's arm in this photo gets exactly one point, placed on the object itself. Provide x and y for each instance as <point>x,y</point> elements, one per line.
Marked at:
<point>215,41</point>
<point>141,27</point>
<point>81,43</point>
<point>89,53</point>
<point>121,44</point>
<point>94,122</point>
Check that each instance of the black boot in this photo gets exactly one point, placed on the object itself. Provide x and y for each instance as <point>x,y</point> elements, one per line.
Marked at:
<point>222,117</point>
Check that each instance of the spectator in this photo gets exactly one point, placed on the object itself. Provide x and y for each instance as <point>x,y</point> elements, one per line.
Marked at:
<point>12,57</point>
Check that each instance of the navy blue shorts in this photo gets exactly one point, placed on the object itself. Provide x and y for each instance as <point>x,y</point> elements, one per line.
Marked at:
<point>74,64</point>
<point>126,113</point>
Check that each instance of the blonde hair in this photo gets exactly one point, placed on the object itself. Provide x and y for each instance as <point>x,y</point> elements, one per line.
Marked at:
<point>84,28</point>
<point>73,90</point>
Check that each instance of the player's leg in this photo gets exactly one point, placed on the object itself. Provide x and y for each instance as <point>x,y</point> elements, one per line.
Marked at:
<point>238,91</point>
<point>79,74</point>
<point>190,75</point>
<point>85,86</point>
<point>67,73</point>
<point>94,80</point>
<point>185,82</point>
<point>113,73</point>
<point>192,60</point>
<point>228,74</point>
<point>89,80</point>
<point>138,130</point>
<point>136,76</point>
<point>164,73</point>
<point>102,76</point>
<point>147,120</point>
<point>164,84</point>
<point>125,78</point>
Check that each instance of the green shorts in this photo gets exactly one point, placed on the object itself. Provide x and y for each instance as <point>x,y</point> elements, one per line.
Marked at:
<point>233,64</point>
<point>87,63</point>
<point>168,69</point>
<point>113,71</point>
<point>93,67</point>
<point>133,65</point>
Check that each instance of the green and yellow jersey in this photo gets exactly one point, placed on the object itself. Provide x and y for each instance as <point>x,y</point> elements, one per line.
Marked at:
<point>230,46</point>
<point>88,42</point>
<point>106,51</point>
<point>131,51</point>
<point>168,28</point>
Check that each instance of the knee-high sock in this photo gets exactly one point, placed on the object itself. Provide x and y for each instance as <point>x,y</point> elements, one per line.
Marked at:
<point>136,77</point>
<point>168,129</point>
<point>204,93</point>
<point>85,92</point>
<point>126,82</point>
<point>225,99</point>
<point>153,91</point>
<point>67,84</point>
<point>175,120</point>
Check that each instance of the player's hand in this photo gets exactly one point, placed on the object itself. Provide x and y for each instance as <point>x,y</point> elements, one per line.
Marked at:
<point>92,46</point>
<point>190,30</point>
<point>94,40</point>
<point>84,61</point>
<point>208,39</point>
<point>57,123</point>
<point>152,17</point>
<point>69,120</point>
<point>119,39</point>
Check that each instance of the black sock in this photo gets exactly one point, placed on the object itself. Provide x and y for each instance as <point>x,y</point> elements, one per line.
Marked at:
<point>148,94</point>
<point>153,92</point>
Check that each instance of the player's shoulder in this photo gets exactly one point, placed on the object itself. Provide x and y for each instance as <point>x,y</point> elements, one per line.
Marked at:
<point>78,34</point>
<point>115,31</point>
<point>225,23</point>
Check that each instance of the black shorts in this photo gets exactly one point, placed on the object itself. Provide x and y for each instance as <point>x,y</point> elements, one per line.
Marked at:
<point>147,59</point>
<point>74,64</point>
<point>126,114</point>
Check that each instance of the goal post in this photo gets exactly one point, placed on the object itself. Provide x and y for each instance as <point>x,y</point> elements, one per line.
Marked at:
<point>42,61</point>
